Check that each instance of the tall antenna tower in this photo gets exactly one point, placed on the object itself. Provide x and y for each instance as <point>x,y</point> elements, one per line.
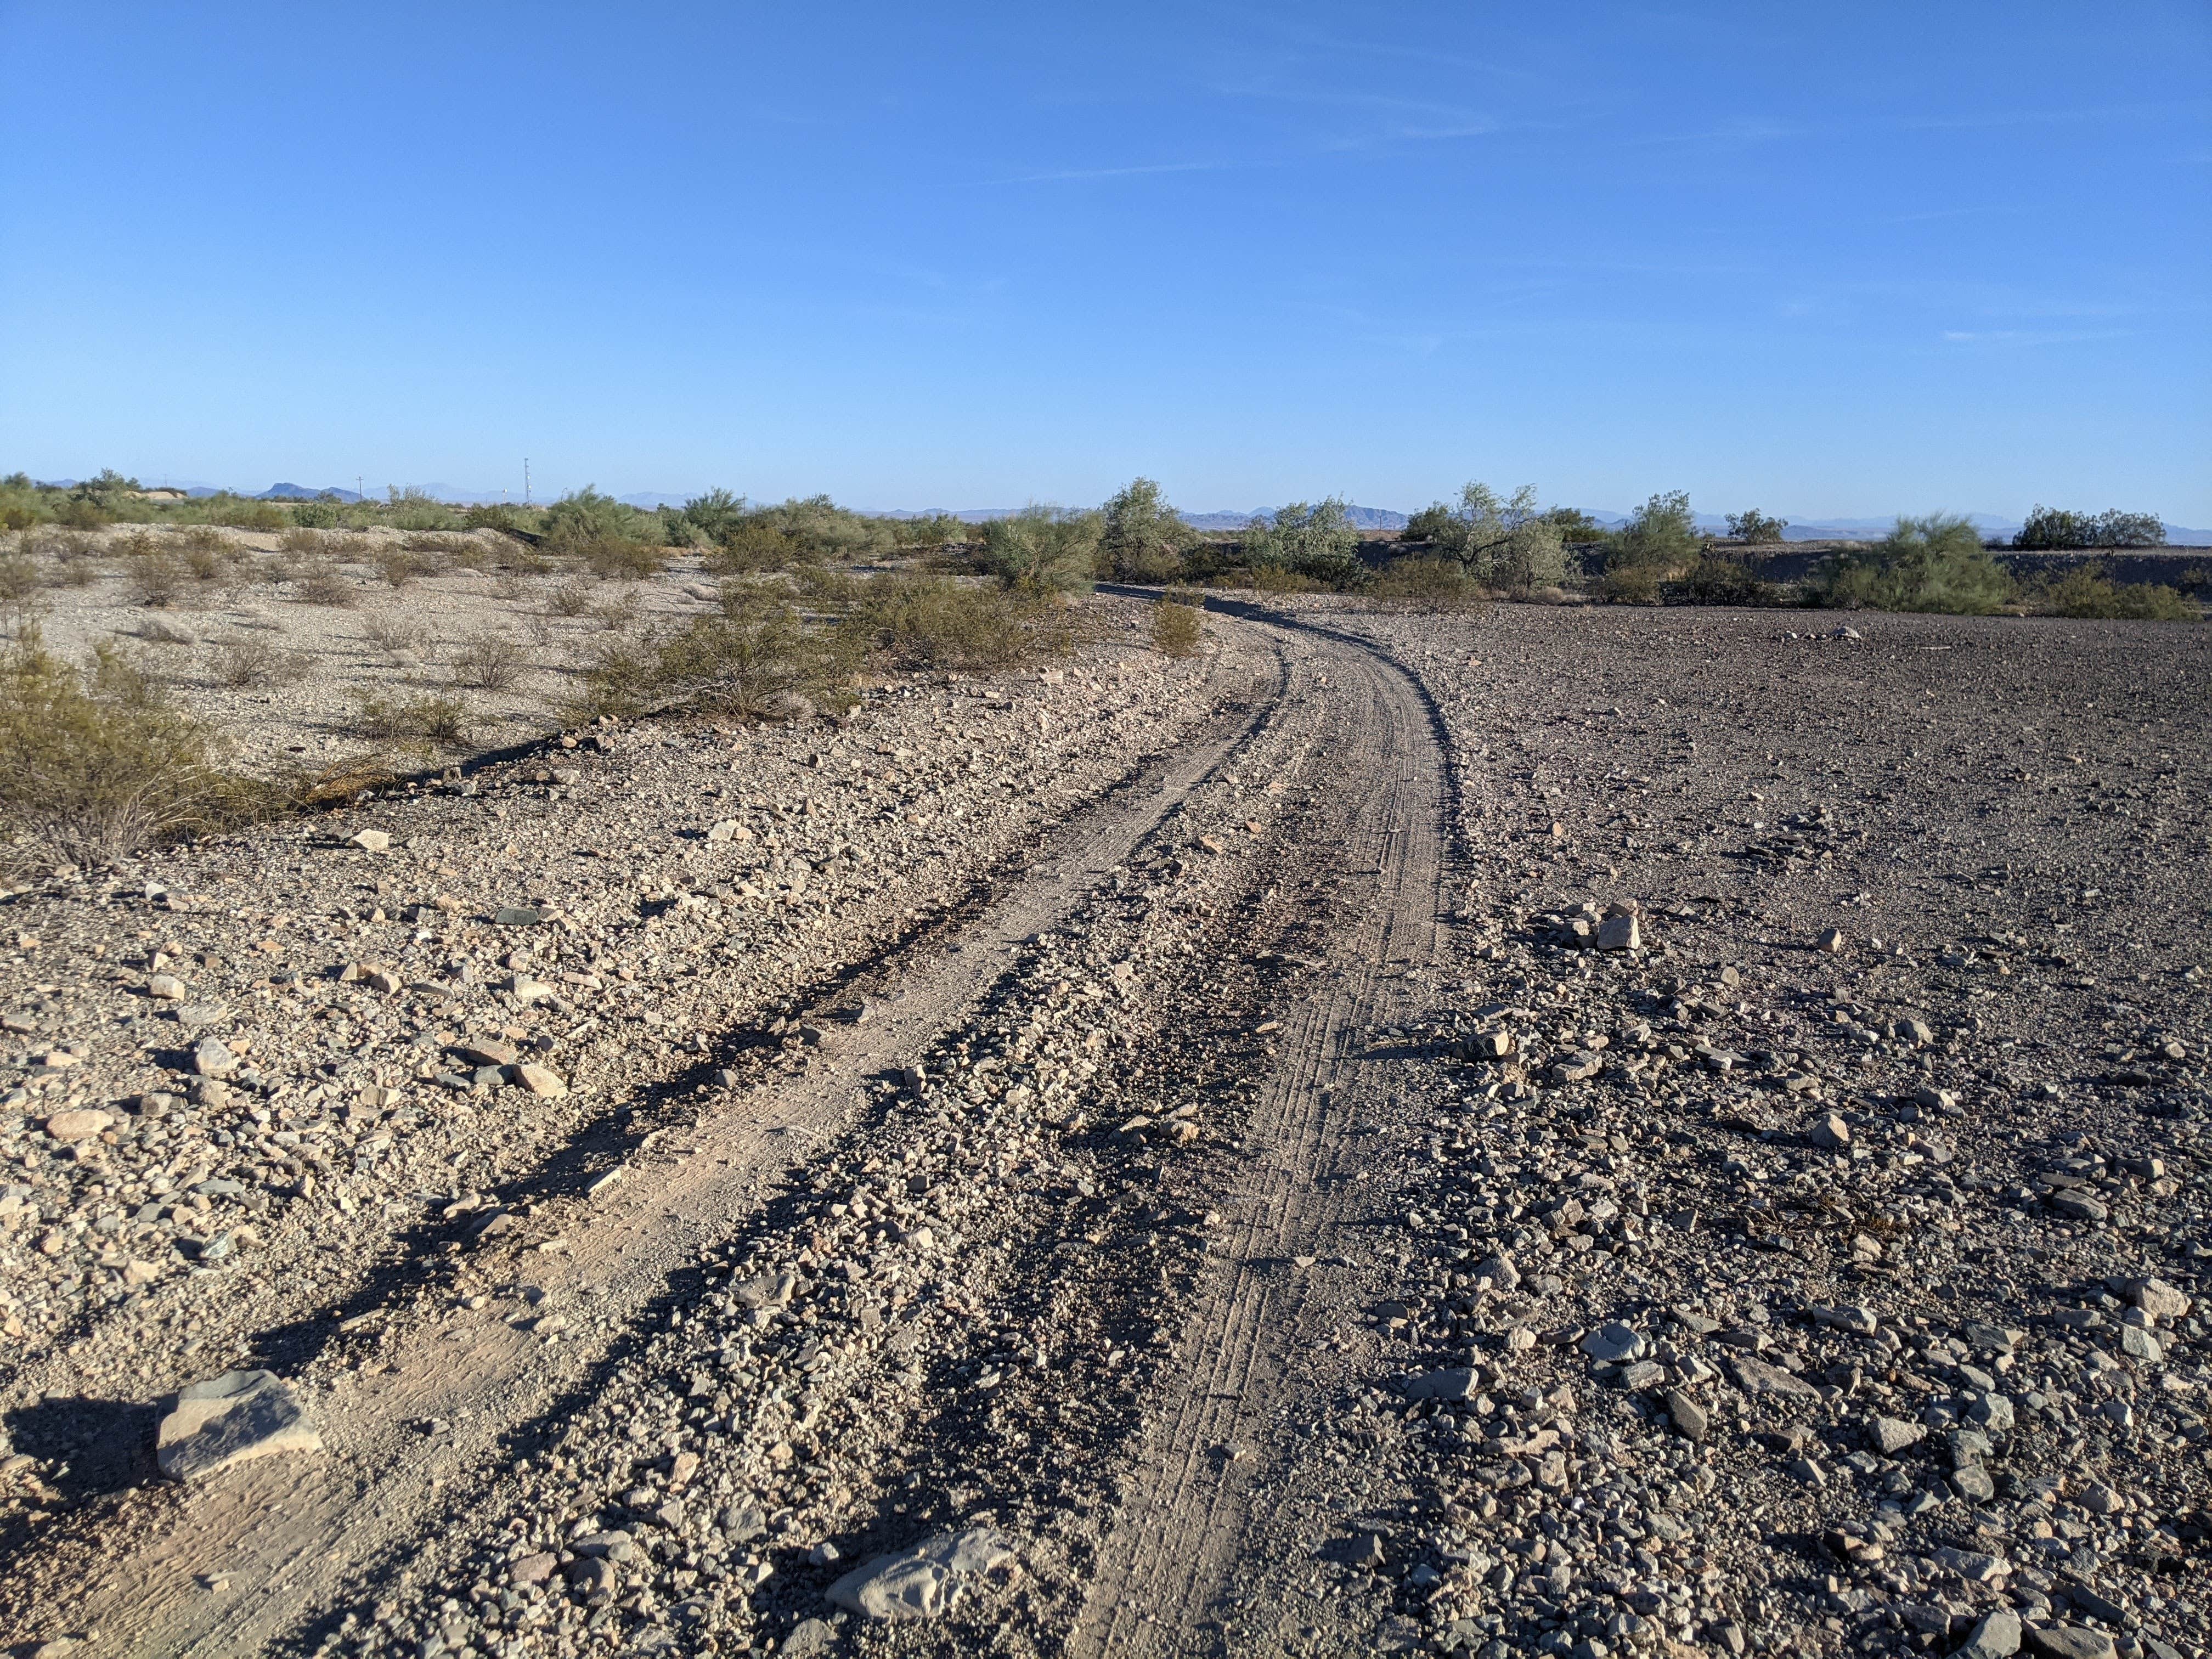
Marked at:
<point>525,480</point>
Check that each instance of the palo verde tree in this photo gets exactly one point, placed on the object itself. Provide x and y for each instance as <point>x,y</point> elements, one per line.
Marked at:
<point>1752,525</point>
<point>1143,538</point>
<point>1506,541</point>
<point>1314,539</point>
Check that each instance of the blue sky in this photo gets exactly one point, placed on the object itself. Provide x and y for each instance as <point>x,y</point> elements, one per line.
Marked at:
<point>1824,259</point>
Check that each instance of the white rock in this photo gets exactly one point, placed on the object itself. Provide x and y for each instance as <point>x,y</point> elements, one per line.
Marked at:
<point>371,841</point>
<point>924,1581</point>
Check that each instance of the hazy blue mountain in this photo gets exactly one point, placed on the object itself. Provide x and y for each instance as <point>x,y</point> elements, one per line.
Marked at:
<point>292,492</point>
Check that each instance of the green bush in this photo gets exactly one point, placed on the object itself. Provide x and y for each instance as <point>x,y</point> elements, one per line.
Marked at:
<point>583,518</point>
<point>1717,579</point>
<point>715,514</point>
<point>1315,540</point>
<point>1660,543</point>
<point>318,515</point>
<point>755,544</point>
<point>1752,525</point>
<point>1576,527</point>
<point>243,513</point>
<point>2087,592</point>
<point>490,515</point>
<point>1934,563</point>
<point>96,764</point>
<point>20,507</point>
<point>81,512</point>
<point>817,528</point>
<point>1177,627</point>
<point>1043,550</point>
<point>756,657</point>
<point>411,508</point>
<point>1504,542</point>
<point>938,622</point>
<point>1427,585</point>
<point>1142,538</point>
<point>2054,528</point>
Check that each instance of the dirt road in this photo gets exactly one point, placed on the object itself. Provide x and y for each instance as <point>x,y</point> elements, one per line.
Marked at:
<point>1264,1220</point>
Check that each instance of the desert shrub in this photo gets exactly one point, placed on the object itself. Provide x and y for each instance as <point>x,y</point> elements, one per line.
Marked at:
<point>820,529</point>
<point>411,508</point>
<point>442,720</point>
<point>154,631</point>
<point>1428,585</point>
<point>393,635</point>
<point>715,515</point>
<point>2087,592</point>
<point>492,515</point>
<point>75,558</point>
<point>569,599</point>
<point>752,545</point>
<point>1752,525</point>
<point>156,580</point>
<point>1177,628</point>
<point>584,517</point>
<point>490,662</point>
<point>626,560</point>
<point>1660,543</point>
<point>401,565</point>
<point>321,582</point>
<point>939,622</point>
<point>20,507</point>
<point>1272,579</point>
<point>19,578</point>
<point>755,657</point>
<point>1631,584</point>
<point>621,610</point>
<point>1142,538</point>
<point>316,514</point>
<point>241,513</point>
<point>1043,550</point>
<point>1717,578</point>
<point>1934,563</point>
<point>242,663</point>
<point>932,533</point>
<point>1504,542</point>
<point>2055,529</point>
<point>1577,528</point>
<point>79,513</point>
<point>1316,541</point>
<point>303,542</point>
<point>96,764</point>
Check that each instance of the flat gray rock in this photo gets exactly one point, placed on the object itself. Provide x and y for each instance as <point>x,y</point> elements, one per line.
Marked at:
<point>1757,1376</point>
<point>230,1419</point>
<point>924,1581</point>
<point>1455,1384</point>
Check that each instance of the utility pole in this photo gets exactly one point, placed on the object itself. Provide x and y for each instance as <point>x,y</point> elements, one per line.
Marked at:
<point>359,489</point>
<point>525,480</point>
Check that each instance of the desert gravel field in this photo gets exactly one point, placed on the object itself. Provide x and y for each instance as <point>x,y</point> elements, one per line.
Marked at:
<point>1558,1129</point>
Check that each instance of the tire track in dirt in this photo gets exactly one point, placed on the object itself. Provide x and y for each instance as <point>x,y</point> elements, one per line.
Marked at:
<point>1199,1508</point>
<point>284,1535</point>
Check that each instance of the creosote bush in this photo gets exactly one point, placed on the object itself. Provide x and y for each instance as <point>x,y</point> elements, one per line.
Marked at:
<point>754,659</point>
<point>941,621</point>
<point>1177,626</point>
<point>241,663</point>
<point>490,663</point>
<point>2087,592</point>
<point>321,582</point>
<point>441,721</point>
<point>96,764</point>
<point>1427,583</point>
